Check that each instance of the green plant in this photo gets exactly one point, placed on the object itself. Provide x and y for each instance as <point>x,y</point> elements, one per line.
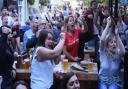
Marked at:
<point>100,1</point>
<point>43,2</point>
<point>31,2</point>
<point>87,2</point>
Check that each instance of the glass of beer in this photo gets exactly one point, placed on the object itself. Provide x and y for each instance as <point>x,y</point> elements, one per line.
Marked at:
<point>90,66</point>
<point>65,65</point>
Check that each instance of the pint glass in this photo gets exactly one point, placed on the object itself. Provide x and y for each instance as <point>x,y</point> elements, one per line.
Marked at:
<point>65,65</point>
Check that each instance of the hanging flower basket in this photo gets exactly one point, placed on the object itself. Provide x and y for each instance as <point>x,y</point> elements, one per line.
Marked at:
<point>31,2</point>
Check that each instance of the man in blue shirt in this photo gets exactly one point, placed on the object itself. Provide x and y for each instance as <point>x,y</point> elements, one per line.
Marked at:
<point>28,34</point>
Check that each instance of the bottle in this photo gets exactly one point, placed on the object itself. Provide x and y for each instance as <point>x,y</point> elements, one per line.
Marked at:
<point>19,62</point>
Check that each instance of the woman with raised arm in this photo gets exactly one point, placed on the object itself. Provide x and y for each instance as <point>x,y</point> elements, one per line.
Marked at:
<point>72,40</point>
<point>111,52</point>
<point>43,60</point>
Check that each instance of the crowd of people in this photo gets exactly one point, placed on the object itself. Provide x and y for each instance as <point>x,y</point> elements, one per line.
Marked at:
<point>55,32</point>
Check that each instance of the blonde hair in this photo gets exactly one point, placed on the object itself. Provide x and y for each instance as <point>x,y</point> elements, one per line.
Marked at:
<point>108,38</point>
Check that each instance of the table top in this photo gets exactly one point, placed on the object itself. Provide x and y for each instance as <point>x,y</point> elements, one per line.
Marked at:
<point>89,75</point>
<point>86,76</point>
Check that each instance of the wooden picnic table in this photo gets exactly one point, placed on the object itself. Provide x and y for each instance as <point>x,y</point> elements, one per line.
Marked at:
<point>87,79</point>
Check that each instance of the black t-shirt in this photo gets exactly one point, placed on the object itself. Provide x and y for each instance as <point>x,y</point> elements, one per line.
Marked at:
<point>6,53</point>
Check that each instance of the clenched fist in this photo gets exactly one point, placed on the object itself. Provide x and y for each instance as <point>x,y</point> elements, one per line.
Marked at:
<point>62,35</point>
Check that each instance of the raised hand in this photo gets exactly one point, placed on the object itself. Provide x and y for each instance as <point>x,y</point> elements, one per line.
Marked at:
<point>109,20</point>
<point>117,29</point>
<point>62,35</point>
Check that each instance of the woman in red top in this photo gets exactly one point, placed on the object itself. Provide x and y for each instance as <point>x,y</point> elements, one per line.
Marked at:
<point>71,41</point>
<point>73,34</point>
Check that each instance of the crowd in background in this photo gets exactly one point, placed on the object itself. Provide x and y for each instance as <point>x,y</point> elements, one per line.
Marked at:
<point>64,31</point>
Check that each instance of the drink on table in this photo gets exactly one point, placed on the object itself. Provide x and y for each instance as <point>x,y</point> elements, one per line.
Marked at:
<point>90,66</point>
<point>65,65</point>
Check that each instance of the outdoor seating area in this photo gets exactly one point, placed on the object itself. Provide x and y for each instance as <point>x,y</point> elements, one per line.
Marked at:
<point>63,44</point>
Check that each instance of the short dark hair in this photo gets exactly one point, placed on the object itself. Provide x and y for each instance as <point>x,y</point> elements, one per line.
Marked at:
<point>27,22</point>
<point>4,8</point>
<point>13,10</point>
<point>93,1</point>
<point>20,82</point>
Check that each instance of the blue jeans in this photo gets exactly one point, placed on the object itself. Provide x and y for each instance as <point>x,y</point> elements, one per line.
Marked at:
<point>106,86</point>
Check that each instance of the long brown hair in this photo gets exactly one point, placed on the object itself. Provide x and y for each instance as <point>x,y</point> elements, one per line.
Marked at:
<point>42,37</point>
<point>65,80</point>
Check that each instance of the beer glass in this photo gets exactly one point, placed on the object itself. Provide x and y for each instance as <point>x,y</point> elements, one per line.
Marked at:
<point>65,65</point>
<point>90,66</point>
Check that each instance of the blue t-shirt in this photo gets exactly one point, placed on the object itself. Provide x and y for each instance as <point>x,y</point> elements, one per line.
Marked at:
<point>26,28</point>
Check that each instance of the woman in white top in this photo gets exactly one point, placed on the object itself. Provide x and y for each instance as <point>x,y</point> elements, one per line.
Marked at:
<point>44,58</point>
